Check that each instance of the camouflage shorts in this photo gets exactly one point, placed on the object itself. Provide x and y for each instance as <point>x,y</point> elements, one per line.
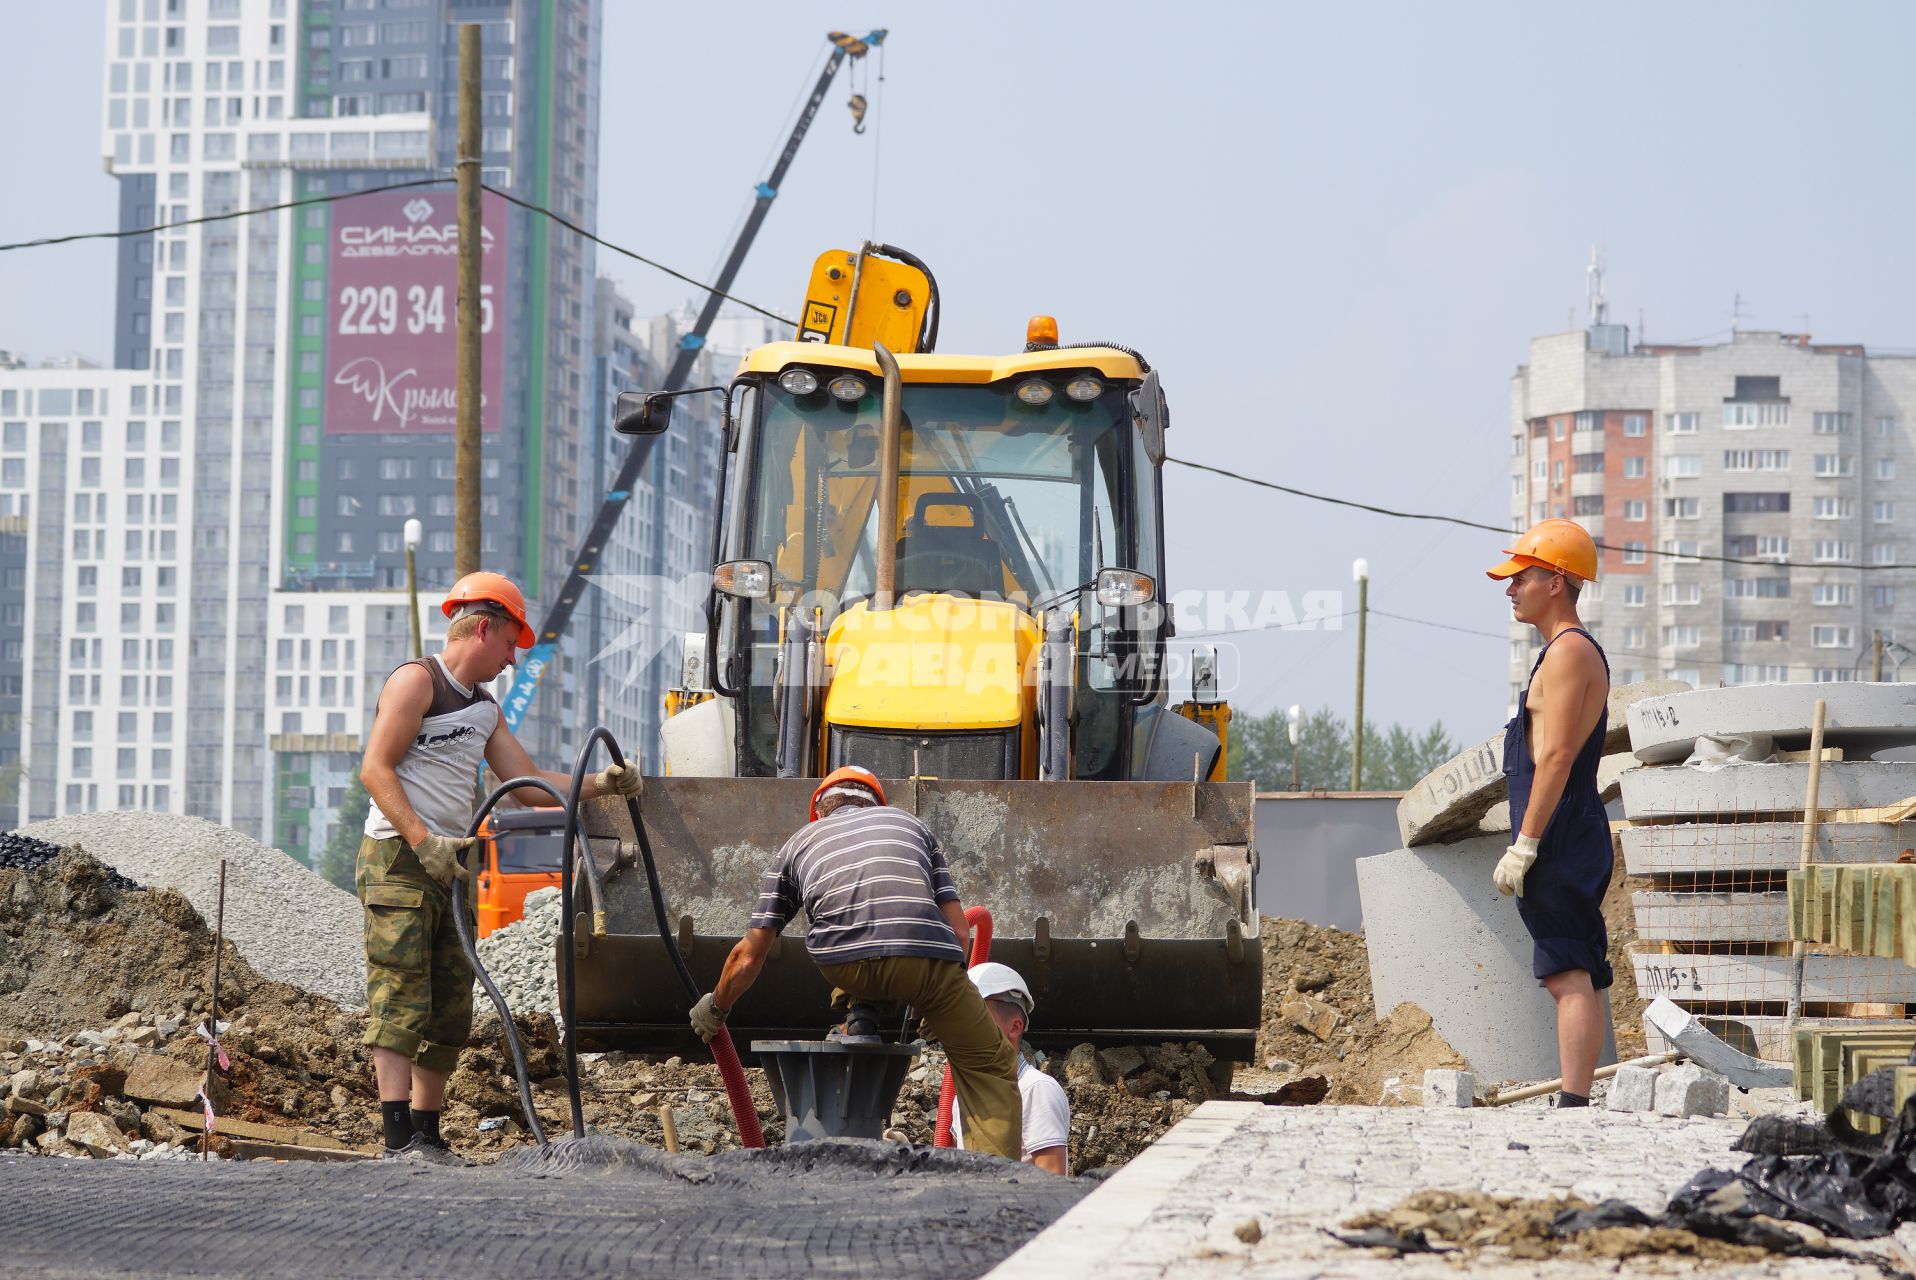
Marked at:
<point>418,982</point>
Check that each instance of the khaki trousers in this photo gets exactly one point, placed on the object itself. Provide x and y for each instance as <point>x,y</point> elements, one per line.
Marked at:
<point>983,1065</point>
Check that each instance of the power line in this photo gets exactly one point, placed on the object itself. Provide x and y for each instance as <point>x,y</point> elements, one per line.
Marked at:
<point>1693,556</point>
<point>333,197</point>
<point>1301,624</point>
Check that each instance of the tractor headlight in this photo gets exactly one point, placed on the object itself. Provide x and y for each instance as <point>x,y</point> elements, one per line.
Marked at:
<point>1035,391</point>
<point>1083,387</point>
<point>800,382</point>
<point>848,387</point>
<point>1124,588</point>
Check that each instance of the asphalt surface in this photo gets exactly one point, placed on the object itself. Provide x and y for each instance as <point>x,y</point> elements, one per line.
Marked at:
<point>839,1208</point>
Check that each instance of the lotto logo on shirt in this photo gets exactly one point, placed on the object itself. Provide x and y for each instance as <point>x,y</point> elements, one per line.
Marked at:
<point>428,741</point>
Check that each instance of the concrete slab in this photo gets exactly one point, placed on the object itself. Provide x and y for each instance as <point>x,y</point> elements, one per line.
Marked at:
<point>1682,848</point>
<point>1765,1036</point>
<point>1712,917</point>
<point>1692,978</point>
<point>1678,791</point>
<point>1454,797</point>
<point>1861,718</point>
<point>1242,1190</point>
<point>1442,937</point>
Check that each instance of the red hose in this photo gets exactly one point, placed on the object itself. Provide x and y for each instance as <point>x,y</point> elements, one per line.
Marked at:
<point>744,1110</point>
<point>979,918</point>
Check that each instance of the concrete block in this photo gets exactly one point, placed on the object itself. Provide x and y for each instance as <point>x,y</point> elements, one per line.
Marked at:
<point>1681,792</point>
<point>1633,1089</point>
<point>1860,717</point>
<point>1444,1088</point>
<point>1453,798</point>
<point>1443,938</point>
<point>1682,847</point>
<point>1827,979</point>
<point>1689,1090</point>
<point>1712,917</point>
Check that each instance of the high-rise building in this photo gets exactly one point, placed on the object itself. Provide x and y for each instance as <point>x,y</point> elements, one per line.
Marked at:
<point>1771,450</point>
<point>282,403</point>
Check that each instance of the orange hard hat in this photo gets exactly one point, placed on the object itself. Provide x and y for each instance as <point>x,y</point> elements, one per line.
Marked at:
<point>1562,546</point>
<point>495,589</point>
<point>857,773</point>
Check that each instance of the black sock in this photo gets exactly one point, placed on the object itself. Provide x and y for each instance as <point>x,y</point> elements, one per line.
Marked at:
<point>397,1117</point>
<point>1567,1099</point>
<point>426,1123</point>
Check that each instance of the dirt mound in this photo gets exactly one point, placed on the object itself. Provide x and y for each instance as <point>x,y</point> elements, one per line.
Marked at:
<point>1472,1222</point>
<point>1319,1019</point>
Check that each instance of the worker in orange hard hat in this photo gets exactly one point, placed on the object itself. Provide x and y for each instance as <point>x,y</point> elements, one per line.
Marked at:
<point>886,927</point>
<point>1560,860</point>
<point>434,726</point>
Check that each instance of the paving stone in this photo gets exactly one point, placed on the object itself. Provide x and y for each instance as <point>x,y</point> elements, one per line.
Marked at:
<point>1633,1089</point>
<point>1689,1090</point>
<point>1444,1088</point>
<point>1859,717</point>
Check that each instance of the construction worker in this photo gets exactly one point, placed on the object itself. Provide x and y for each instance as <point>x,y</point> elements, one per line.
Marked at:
<point>434,725</point>
<point>1559,861</point>
<point>1047,1111</point>
<point>887,927</point>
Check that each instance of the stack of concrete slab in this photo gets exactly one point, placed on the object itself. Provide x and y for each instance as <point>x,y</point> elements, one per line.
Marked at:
<point>1718,838</point>
<point>1439,933</point>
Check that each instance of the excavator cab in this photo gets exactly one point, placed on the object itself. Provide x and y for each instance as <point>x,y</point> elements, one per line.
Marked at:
<point>948,569</point>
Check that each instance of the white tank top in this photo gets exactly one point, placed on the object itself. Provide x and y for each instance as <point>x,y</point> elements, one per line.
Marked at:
<point>440,770</point>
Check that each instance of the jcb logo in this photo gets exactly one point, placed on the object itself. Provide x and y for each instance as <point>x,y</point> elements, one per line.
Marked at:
<point>819,318</point>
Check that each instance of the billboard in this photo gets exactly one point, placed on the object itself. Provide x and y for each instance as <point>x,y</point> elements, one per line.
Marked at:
<point>391,358</point>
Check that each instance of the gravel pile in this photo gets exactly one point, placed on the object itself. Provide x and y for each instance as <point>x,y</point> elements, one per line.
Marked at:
<point>24,853</point>
<point>290,924</point>
<point>519,957</point>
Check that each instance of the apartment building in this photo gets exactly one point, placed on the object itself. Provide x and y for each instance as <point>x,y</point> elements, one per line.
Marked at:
<point>1773,452</point>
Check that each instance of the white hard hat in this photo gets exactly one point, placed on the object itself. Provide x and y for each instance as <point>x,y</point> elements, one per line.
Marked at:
<point>1001,982</point>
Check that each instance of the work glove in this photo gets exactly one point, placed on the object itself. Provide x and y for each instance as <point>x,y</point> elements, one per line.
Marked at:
<point>1514,864</point>
<point>707,1018</point>
<point>439,855</point>
<point>619,780</point>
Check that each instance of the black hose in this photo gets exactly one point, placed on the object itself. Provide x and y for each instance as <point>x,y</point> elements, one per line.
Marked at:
<point>470,947</point>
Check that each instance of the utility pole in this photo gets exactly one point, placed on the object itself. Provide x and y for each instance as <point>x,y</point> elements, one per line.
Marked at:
<point>465,555</point>
<point>1296,717</point>
<point>1360,570</point>
<point>1876,661</point>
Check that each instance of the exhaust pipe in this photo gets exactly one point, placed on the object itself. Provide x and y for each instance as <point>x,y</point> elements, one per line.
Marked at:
<point>891,431</point>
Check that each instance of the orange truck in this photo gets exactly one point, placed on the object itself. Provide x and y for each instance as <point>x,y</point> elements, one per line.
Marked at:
<point>523,851</point>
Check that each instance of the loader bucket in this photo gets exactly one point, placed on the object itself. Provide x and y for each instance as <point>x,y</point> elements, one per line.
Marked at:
<point>1127,907</point>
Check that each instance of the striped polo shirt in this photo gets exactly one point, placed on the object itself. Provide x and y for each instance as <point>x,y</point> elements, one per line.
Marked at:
<point>870,880</point>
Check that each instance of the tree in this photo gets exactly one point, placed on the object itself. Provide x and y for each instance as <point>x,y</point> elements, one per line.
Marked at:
<point>1395,759</point>
<point>341,854</point>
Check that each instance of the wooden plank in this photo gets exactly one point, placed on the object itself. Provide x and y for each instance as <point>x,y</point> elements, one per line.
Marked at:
<point>232,1128</point>
<point>247,1149</point>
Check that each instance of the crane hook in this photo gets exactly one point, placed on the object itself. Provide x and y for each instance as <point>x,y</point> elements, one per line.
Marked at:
<point>857,108</point>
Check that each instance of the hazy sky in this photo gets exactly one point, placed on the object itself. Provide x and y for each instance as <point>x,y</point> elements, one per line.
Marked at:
<point>1334,228</point>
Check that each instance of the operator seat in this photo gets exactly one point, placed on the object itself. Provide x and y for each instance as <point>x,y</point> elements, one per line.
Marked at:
<point>950,558</point>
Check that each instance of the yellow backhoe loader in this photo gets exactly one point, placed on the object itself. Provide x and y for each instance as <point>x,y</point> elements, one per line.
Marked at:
<point>948,569</point>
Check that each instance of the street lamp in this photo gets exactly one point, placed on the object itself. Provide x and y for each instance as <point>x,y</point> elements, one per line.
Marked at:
<point>1360,570</point>
<point>414,532</point>
<point>1296,716</point>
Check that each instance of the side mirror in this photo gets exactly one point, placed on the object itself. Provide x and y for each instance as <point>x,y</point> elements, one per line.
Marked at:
<point>1149,412</point>
<point>639,414</point>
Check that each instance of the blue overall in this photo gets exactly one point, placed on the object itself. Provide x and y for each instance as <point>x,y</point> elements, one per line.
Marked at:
<point>1562,899</point>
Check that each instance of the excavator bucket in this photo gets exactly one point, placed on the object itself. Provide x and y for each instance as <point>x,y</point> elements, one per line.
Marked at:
<point>1127,906</point>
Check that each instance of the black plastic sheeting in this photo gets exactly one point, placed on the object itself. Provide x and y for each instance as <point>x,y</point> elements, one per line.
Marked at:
<point>1829,1174</point>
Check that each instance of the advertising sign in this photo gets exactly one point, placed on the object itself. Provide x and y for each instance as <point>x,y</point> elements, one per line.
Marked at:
<point>391,360</point>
